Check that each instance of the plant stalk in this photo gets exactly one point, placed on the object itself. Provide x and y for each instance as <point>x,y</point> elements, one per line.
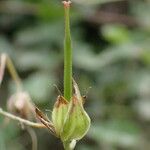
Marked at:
<point>67,145</point>
<point>67,54</point>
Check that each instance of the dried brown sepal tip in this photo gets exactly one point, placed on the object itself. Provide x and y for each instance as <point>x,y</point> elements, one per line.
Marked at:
<point>60,101</point>
<point>44,119</point>
<point>66,4</point>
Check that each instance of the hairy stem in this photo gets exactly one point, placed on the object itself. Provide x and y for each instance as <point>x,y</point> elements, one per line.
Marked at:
<point>67,54</point>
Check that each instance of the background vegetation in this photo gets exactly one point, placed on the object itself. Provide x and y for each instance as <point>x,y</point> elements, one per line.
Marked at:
<point>111,43</point>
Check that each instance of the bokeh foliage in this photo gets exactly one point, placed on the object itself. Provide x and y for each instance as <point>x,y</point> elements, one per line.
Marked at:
<point>111,43</point>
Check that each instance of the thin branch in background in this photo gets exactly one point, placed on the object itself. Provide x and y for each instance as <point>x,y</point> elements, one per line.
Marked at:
<point>6,62</point>
<point>13,72</point>
<point>2,67</point>
<point>33,138</point>
<point>24,121</point>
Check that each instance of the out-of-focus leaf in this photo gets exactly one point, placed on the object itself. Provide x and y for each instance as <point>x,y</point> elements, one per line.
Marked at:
<point>87,60</point>
<point>146,57</point>
<point>94,2</point>
<point>121,133</point>
<point>5,46</point>
<point>43,34</point>
<point>39,86</point>
<point>140,83</point>
<point>116,33</point>
<point>2,141</point>
<point>142,11</point>
<point>12,132</point>
<point>142,108</point>
<point>47,11</point>
<point>34,60</point>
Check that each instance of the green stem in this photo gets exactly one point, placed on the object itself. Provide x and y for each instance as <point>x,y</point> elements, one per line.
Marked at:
<point>67,55</point>
<point>67,145</point>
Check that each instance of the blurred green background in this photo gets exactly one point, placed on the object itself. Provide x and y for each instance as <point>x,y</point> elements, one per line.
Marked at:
<point>111,44</point>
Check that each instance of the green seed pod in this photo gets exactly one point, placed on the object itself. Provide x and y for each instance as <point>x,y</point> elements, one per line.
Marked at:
<point>59,113</point>
<point>77,122</point>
